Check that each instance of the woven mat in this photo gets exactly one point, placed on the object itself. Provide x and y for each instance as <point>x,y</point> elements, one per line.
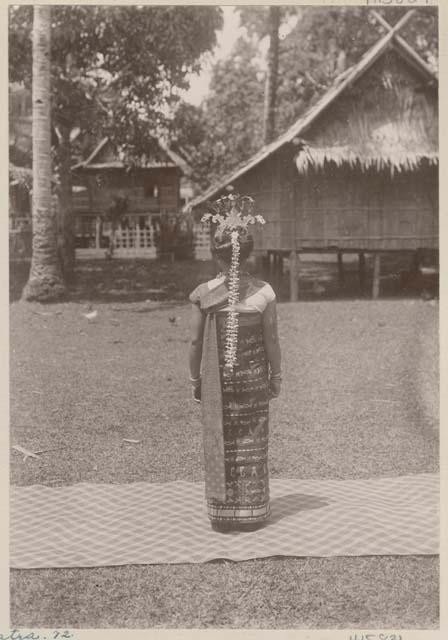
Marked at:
<point>87,525</point>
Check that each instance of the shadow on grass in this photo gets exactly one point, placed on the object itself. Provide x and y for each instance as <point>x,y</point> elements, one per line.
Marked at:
<point>124,280</point>
<point>140,280</point>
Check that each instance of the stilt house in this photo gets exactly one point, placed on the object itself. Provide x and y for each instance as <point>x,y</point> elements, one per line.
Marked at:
<point>152,193</point>
<point>358,172</point>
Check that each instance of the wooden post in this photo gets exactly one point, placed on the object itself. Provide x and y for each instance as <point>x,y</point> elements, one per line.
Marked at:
<point>293,256</point>
<point>362,271</point>
<point>259,263</point>
<point>97,232</point>
<point>265,266</point>
<point>293,276</point>
<point>415,262</point>
<point>280,264</point>
<point>341,274</point>
<point>273,266</point>
<point>376,275</point>
<point>277,269</point>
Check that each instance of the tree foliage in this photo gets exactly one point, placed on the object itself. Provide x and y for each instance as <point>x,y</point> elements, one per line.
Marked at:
<point>228,126</point>
<point>116,70</point>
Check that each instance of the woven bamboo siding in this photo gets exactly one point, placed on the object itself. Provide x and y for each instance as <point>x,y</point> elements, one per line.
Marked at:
<point>270,184</point>
<point>259,184</point>
<point>349,209</point>
<point>367,210</point>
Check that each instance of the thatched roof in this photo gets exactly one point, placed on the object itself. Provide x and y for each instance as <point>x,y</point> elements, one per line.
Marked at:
<point>385,121</point>
<point>104,157</point>
<point>395,161</point>
<point>353,148</point>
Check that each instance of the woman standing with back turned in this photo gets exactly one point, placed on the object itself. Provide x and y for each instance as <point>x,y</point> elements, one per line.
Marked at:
<point>234,371</point>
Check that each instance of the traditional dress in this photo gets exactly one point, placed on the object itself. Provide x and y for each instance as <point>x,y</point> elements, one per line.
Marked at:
<point>235,405</point>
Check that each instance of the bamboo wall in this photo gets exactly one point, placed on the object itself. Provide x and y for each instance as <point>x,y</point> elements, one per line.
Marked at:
<point>352,209</point>
<point>271,185</point>
<point>343,207</point>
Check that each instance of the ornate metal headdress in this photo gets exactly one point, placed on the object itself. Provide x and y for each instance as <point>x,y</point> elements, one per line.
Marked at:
<point>232,214</point>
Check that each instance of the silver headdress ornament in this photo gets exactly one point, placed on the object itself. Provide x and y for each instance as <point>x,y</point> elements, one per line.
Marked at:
<point>233,214</point>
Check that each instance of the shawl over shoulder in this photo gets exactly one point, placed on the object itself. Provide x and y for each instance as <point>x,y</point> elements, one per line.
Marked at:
<point>213,295</point>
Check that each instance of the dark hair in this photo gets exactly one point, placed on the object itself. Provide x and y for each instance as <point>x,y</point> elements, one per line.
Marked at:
<point>222,245</point>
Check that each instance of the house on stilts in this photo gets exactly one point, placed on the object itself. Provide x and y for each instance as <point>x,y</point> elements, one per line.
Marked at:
<point>357,173</point>
<point>153,193</point>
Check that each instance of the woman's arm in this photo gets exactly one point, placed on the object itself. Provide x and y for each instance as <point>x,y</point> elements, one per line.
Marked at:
<point>272,346</point>
<point>197,331</point>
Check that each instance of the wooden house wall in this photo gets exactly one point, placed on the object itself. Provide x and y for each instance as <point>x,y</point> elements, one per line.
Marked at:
<point>271,184</point>
<point>103,185</point>
<point>342,207</point>
<point>373,210</point>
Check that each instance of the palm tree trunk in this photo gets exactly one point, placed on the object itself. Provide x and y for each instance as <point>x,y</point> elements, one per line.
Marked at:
<point>45,282</point>
<point>67,248</point>
<point>270,96</point>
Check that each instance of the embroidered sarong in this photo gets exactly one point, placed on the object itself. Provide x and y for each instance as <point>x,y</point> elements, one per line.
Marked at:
<point>245,424</point>
<point>235,410</point>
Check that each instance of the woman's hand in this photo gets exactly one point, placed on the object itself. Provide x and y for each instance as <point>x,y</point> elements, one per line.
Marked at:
<point>197,329</point>
<point>196,389</point>
<point>275,385</point>
<point>272,346</point>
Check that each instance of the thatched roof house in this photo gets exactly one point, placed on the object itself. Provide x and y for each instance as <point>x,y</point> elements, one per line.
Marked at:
<point>148,195</point>
<point>155,186</point>
<point>359,170</point>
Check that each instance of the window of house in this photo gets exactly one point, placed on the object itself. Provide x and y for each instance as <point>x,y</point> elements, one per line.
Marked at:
<point>151,190</point>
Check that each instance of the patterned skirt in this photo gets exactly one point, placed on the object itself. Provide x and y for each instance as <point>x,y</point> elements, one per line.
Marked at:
<point>245,402</point>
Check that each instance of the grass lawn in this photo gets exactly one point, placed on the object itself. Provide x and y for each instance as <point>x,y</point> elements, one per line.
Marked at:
<point>359,400</point>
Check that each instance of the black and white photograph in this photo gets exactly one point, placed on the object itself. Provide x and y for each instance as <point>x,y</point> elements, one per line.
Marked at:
<point>223,318</point>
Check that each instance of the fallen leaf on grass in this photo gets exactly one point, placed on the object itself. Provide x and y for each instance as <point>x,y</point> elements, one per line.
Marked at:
<point>131,441</point>
<point>46,313</point>
<point>26,453</point>
<point>48,450</point>
<point>90,316</point>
